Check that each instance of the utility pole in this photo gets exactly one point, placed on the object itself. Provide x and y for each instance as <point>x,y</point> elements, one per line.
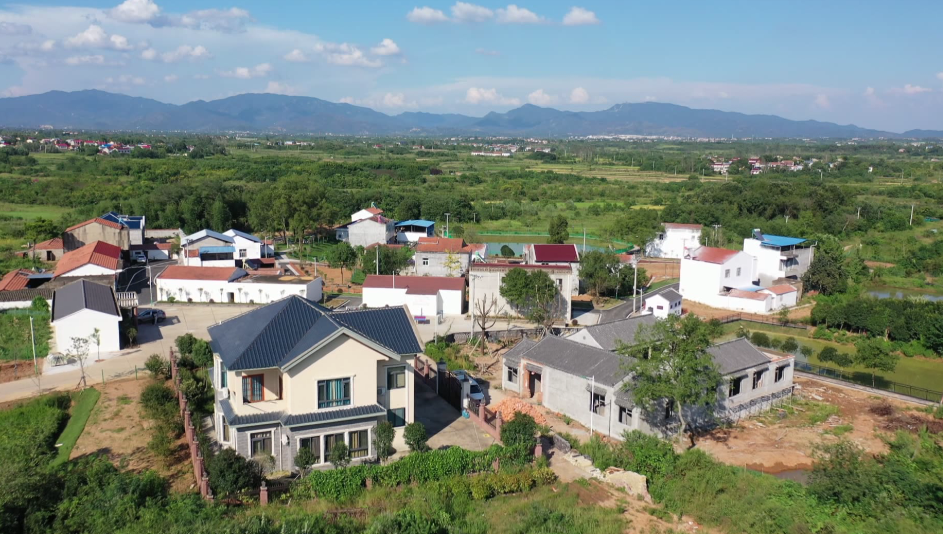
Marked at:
<point>911,215</point>
<point>634,284</point>
<point>32,337</point>
<point>378,260</point>
<point>447,234</point>
<point>859,213</point>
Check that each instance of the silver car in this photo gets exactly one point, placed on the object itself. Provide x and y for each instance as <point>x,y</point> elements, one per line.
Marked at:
<point>474,391</point>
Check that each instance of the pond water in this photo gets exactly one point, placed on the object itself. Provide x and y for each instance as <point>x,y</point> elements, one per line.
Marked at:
<point>890,292</point>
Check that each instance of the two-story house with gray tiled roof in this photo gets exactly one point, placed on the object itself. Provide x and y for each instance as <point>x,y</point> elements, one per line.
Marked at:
<point>294,375</point>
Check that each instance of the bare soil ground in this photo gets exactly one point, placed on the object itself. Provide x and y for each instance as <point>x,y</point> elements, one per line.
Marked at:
<point>783,440</point>
<point>117,429</point>
<point>10,371</point>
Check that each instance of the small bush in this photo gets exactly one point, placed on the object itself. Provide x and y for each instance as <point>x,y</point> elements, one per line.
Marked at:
<point>544,476</point>
<point>185,344</point>
<point>39,304</point>
<point>760,339</point>
<point>519,431</point>
<point>415,436</point>
<point>157,366</point>
<point>171,299</point>
<point>790,345</point>
<point>202,354</point>
<point>231,473</point>
<point>567,420</point>
<point>161,445</point>
<point>156,397</point>
<point>340,455</point>
<point>305,459</point>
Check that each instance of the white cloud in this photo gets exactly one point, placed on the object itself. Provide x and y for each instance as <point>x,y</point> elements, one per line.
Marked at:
<point>171,78</point>
<point>295,56</point>
<point>12,28</point>
<point>95,37</point>
<point>149,54</point>
<point>97,59</point>
<point>873,99</point>
<point>135,11</point>
<point>125,79</point>
<point>345,54</point>
<point>579,96</point>
<point>386,48</point>
<point>245,73</point>
<point>464,12</point>
<point>579,17</point>
<point>347,100</point>
<point>391,100</point>
<point>232,20</point>
<point>913,89</point>
<point>426,15</point>
<point>822,101</point>
<point>486,52</point>
<point>48,45</point>
<point>540,98</point>
<point>186,52</point>
<point>14,90</point>
<point>279,88</point>
<point>518,15</point>
<point>478,95</point>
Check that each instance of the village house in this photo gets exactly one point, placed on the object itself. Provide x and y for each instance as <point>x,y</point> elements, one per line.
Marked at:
<point>79,308</point>
<point>593,387</point>
<point>778,257</point>
<point>539,254</point>
<point>247,246</point>
<point>485,284</point>
<point>446,256</point>
<point>663,303</point>
<point>294,375</point>
<point>232,285</point>
<point>366,213</point>
<point>610,336</point>
<point>96,229</point>
<point>208,248</point>
<point>372,230</point>
<point>413,230</point>
<point>95,258</point>
<point>426,297</point>
<point>708,275</point>
<point>134,223</point>
<point>49,250</point>
<point>675,241</point>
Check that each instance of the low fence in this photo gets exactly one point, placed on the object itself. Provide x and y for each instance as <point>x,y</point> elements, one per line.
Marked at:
<point>486,419</point>
<point>754,318</point>
<point>508,335</point>
<point>449,388</point>
<point>864,379</point>
<point>196,456</point>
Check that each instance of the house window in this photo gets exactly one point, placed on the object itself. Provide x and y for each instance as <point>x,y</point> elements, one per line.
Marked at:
<point>253,388</point>
<point>599,404</point>
<point>329,441</point>
<point>660,307</point>
<point>512,375</point>
<point>780,373</point>
<point>625,415</point>
<point>359,444</point>
<point>312,444</point>
<point>425,262</point>
<point>758,379</point>
<point>333,393</point>
<point>738,271</point>
<point>396,416</point>
<point>727,273</point>
<point>242,253</point>
<point>223,377</point>
<point>669,409</point>
<point>734,386</point>
<point>396,378</point>
<point>280,387</point>
<point>224,430</point>
<point>260,443</point>
<point>560,284</point>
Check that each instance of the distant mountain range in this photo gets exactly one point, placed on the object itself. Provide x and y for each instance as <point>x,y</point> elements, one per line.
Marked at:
<point>99,110</point>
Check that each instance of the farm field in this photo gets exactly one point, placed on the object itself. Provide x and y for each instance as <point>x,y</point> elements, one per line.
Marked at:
<point>31,211</point>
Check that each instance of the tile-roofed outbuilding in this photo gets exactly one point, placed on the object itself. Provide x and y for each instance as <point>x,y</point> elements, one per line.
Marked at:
<point>752,295</point>
<point>416,285</point>
<point>514,355</point>
<point>736,355</point>
<point>15,280</point>
<point>96,220</point>
<point>713,254</point>
<point>781,289</point>
<point>51,244</point>
<point>670,294</point>
<point>99,253</point>
<point>609,335</point>
<point>607,368</point>
<point>83,295</point>
<point>278,333</point>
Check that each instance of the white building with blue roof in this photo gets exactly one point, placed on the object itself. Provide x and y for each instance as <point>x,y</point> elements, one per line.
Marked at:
<point>410,231</point>
<point>778,257</point>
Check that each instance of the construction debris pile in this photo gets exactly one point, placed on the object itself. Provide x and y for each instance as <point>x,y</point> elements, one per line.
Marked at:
<point>510,407</point>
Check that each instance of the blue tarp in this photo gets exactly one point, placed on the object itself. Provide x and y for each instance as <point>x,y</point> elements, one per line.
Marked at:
<point>781,241</point>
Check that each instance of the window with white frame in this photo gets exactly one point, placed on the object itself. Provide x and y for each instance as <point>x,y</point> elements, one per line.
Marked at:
<point>260,443</point>
<point>425,262</point>
<point>329,441</point>
<point>625,415</point>
<point>242,253</point>
<point>513,375</point>
<point>333,393</point>
<point>314,445</point>
<point>223,378</point>
<point>359,444</point>
<point>726,273</point>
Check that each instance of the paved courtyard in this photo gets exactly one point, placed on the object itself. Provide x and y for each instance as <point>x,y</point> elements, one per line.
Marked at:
<point>445,425</point>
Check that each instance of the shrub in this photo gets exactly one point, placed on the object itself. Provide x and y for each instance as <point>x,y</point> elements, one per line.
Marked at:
<point>544,476</point>
<point>158,367</point>
<point>519,431</point>
<point>161,445</point>
<point>415,436</point>
<point>185,344</point>
<point>822,333</point>
<point>39,304</point>
<point>648,455</point>
<point>305,459</point>
<point>481,488</point>
<point>775,343</point>
<point>340,455</point>
<point>155,398</point>
<point>383,440</point>
<point>231,473</point>
<point>202,354</point>
<point>760,339</point>
<point>790,345</point>
<point>171,299</point>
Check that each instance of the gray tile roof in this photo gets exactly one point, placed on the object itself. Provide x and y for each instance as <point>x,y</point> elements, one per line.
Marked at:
<point>276,334</point>
<point>83,295</point>
<point>578,359</point>
<point>670,294</point>
<point>513,356</point>
<point>736,355</point>
<point>323,416</point>
<point>608,335</point>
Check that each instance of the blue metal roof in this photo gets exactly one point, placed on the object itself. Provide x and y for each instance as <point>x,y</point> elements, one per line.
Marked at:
<point>217,250</point>
<point>276,334</point>
<point>781,241</point>
<point>416,222</point>
<point>131,221</point>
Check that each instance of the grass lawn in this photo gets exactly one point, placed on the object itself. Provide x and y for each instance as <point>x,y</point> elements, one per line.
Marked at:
<point>665,282</point>
<point>15,343</point>
<point>918,372</point>
<point>80,414</point>
<point>32,211</point>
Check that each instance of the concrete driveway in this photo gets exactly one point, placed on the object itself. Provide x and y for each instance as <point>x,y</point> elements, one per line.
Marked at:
<point>445,425</point>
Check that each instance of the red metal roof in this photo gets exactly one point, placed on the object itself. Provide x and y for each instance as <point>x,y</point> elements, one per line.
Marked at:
<point>14,280</point>
<point>416,285</point>
<point>98,220</point>
<point>780,289</point>
<point>682,226</point>
<point>713,255</point>
<point>556,253</point>
<point>98,253</point>
<point>508,266</point>
<point>185,272</point>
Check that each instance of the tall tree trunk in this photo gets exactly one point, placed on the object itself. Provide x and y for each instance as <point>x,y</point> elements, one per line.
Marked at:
<point>684,423</point>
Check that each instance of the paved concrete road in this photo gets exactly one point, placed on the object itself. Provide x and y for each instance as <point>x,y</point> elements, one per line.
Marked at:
<point>152,339</point>
<point>139,279</point>
<point>445,425</point>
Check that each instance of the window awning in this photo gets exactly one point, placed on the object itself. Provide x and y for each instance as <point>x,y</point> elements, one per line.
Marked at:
<point>217,250</point>
<point>533,368</point>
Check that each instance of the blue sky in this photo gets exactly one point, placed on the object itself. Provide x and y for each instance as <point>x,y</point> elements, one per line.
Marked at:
<point>875,64</point>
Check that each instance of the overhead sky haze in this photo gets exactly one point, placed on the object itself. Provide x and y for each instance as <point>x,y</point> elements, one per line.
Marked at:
<point>874,64</point>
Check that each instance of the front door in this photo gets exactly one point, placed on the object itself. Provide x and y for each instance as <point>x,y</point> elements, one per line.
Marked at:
<point>534,384</point>
<point>232,297</point>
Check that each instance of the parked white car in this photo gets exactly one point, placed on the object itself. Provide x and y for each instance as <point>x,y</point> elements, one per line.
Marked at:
<point>474,391</point>
<point>138,256</point>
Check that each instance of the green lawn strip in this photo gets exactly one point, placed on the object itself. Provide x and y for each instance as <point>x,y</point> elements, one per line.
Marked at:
<point>917,372</point>
<point>80,414</point>
<point>663,283</point>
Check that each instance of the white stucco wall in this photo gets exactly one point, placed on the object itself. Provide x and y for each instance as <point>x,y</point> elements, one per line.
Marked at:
<point>436,263</point>
<point>485,284</point>
<point>769,261</point>
<point>82,324</point>
<point>90,269</point>
<point>242,292</point>
<point>253,249</point>
<point>667,307</point>
<point>703,282</point>
<point>448,302</point>
<point>674,243</point>
<point>366,233</point>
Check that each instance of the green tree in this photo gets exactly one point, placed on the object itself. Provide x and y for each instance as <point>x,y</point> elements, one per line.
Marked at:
<point>628,281</point>
<point>519,431</point>
<point>392,260</point>
<point>340,455</point>
<point>415,436</point>
<point>600,270</point>
<point>534,295</point>
<point>558,230</point>
<point>670,364</point>
<point>305,459</point>
<point>342,256</point>
<point>230,473</point>
<point>202,354</point>
<point>507,251</point>
<point>220,216</point>
<point>832,355</point>
<point>827,273</point>
<point>874,355</point>
<point>383,440</point>
<point>40,230</point>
